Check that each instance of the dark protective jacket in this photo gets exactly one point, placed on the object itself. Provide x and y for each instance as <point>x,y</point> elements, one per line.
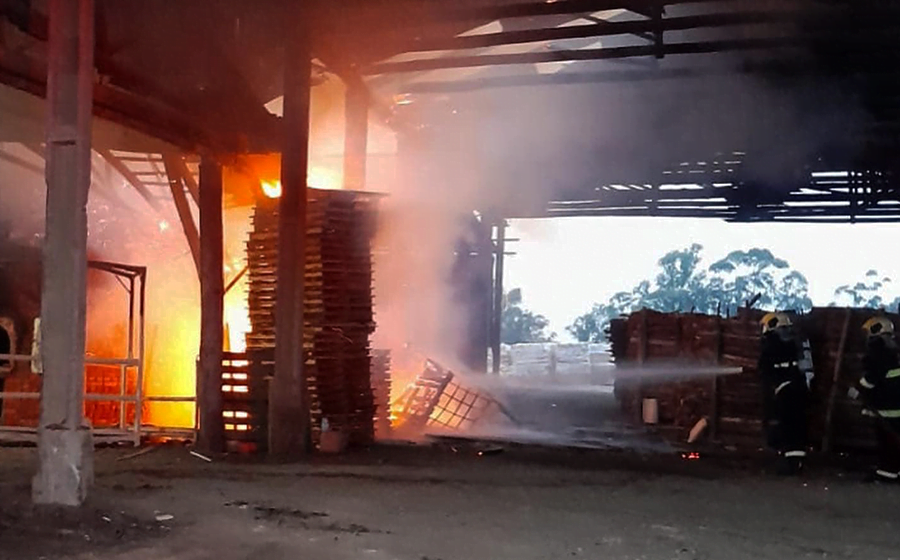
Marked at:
<point>778,365</point>
<point>880,385</point>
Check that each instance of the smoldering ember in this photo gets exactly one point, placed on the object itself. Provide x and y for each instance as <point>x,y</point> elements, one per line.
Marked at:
<point>260,271</point>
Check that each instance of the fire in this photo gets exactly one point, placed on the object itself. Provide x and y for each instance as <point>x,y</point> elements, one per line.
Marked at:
<point>317,178</point>
<point>323,178</point>
<point>271,189</point>
<point>173,337</point>
<point>173,328</point>
<point>237,317</point>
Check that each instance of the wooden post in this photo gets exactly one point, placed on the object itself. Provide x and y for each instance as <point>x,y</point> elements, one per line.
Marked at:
<point>356,132</point>
<point>65,446</point>
<point>175,176</point>
<point>497,315</point>
<point>211,435</point>
<point>642,358</point>
<point>835,378</point>
<point>714,406</point>
<point>289,420</point>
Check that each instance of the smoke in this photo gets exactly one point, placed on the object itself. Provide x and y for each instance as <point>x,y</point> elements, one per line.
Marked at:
<point>544,412</point>
<point>508,150</point>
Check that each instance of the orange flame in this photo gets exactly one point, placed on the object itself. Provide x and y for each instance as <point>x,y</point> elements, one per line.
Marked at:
<point>317,178</point>
<point>271,189</point>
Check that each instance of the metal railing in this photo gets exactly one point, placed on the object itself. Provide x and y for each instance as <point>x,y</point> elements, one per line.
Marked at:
<point>133,279</point>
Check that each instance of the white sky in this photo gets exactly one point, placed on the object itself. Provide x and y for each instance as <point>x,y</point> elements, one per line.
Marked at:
<point>564,265</point>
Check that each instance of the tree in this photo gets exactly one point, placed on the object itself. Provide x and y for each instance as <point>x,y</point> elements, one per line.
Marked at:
<point>682,286</point>
<point>520,325</point>
<point>742,275</point>
<point>867,293</point>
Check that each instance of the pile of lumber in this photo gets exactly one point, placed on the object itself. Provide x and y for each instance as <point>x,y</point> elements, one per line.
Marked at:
<point>338,316</point>
<point>732,404</point>
<point>245,398</point>
<point>381,391</point>
<point>838,347</point>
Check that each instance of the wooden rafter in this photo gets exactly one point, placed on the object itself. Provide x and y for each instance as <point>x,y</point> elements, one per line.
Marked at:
<point>189,180</point>
<point>129,176</point>
<point>176,184</point>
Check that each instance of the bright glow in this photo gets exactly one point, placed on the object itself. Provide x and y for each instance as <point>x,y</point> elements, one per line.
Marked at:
<point>163,225</point>
<point>323,178</point>
<point>271,189</point>
<point>317,178</point>
<point>237,322</point>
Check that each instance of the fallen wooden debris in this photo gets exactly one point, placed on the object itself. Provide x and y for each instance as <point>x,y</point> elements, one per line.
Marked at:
<point>136,454</point>
<point>199,456</point>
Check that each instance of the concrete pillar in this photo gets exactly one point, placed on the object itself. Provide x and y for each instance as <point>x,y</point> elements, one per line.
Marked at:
<point>289,421</point>
<point>211,435</point>
<point>356,132</point>
<point>65,446</point>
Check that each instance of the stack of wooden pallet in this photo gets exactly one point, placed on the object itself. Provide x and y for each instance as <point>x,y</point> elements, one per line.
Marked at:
<point>381,390</point>
<point>839,345</point>
<point>732,404</point>
<point>338,313</point>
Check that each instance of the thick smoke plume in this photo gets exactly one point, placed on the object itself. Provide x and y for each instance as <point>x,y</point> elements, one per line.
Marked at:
<point>506,151</point>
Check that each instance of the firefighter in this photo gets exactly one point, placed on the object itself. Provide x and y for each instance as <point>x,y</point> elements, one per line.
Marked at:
<point>786,391</point>
<point>879,389</point>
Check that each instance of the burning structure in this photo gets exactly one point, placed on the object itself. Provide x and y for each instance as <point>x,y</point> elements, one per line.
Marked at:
<point>338,317</point>
<point>790,117</point>
<point>115,361</point>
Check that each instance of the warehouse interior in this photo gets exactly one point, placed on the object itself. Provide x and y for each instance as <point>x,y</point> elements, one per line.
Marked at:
<point>179,178</point>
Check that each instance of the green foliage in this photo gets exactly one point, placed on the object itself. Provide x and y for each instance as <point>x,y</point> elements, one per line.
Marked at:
<point>683,286</point>
<point>520,325</point>
<point>866,293</point>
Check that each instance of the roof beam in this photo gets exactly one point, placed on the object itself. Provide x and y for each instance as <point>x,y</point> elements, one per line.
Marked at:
<point>584,54</point>
<point>643,28</point>
<point>123,89</point>
<point>561,7</point>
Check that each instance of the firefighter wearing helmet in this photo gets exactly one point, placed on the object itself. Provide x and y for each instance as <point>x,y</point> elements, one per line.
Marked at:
<point>786,391</point>
<point>879,389</point>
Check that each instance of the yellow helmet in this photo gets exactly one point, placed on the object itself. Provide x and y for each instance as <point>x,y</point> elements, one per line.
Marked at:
<point>772,321</point>
<point>878,325</point>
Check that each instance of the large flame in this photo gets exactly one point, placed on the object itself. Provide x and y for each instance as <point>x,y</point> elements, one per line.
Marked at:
<point>172,355</point>
<point>317,178</point>
<point>271,189</point>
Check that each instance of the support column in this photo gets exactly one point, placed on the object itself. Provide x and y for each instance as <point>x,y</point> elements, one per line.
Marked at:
<point>356,131</point>
<point>65,446</point>
<point>497,316</point>
<point>211,435</point>
<point>289,421</point>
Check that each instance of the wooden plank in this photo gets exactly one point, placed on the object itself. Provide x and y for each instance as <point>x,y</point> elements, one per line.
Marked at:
<point>188,177</point>
<point>211,434</point>
<point>832,396</point>
<point>129,176</point>
<point>641,358</point>
<point>184,210</point>
<point>714,390</point>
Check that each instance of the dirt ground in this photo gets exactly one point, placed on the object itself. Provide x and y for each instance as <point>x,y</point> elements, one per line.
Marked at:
<point>448,503</point>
